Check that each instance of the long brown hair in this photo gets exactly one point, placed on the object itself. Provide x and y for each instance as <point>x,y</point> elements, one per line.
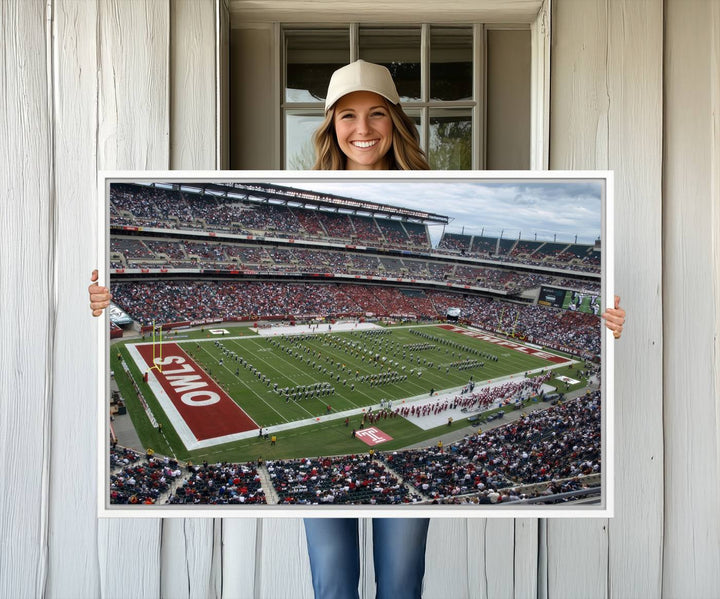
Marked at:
<point>405,154</point>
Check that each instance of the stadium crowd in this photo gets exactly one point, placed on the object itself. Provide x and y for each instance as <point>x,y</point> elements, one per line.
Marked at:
<point>131,252</point>
<point>571,256</point>
<point>141,482</point>
<point>220,484</point>
<point>542,453</point>
<point>177,301</point>
<point>351,479</point>
<point>560,442</point>
<point>142,206</point>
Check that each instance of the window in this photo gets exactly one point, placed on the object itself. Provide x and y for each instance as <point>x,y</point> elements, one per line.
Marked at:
<point>479,94</point>
<point>438,70</point>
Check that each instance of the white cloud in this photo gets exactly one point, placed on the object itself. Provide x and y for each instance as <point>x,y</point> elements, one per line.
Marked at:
<point>544,207</point>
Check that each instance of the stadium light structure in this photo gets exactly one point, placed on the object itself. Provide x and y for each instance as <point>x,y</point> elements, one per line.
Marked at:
<point>290,194</point>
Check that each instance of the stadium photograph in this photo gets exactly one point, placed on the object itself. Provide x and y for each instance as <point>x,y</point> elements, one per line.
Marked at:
<point>387,342</point>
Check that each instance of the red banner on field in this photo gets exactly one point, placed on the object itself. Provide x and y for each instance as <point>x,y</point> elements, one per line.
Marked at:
<point>207,410</point>
<point>372,436</point>
<point>525,349</point>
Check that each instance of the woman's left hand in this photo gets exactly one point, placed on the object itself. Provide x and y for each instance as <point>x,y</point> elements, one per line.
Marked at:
<point>615,318</point>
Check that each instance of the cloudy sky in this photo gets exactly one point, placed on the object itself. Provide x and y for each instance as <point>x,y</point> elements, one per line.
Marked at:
<point>525,207</point>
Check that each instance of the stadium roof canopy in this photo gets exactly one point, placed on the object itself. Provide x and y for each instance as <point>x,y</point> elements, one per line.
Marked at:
<point>269,193</point>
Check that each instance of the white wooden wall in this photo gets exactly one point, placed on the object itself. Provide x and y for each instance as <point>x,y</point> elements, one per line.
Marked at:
<point>116,84</point>
<point>606,113</point>
<point>691,328</point>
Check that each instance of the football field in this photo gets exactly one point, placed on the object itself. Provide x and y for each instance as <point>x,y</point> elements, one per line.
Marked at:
<point>311,386</point>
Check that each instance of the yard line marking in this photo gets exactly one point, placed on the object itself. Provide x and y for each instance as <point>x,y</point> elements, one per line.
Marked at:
<point>246,385</point>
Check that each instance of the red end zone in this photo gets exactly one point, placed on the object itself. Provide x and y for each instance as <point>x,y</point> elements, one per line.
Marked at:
<point>531,351</point>
<point>207,410</point>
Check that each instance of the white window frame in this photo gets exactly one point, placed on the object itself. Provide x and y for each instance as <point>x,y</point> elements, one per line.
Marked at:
<point>475,107</point>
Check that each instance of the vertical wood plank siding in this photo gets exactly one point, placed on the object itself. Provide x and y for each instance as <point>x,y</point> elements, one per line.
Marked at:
<point>450,563</point>
<point>525,559</point>
<point>635,88</point>
<point>607,113</point>
<point>190,567</point>
<point>74,570</point>
<point>577,550</point>
<point>239,558</point>
<point>133,132</point>
<point>115,84</point>
<point>692,403</point>
<point>193,85</point>
<point>26,281</point>
<point>282,567</point>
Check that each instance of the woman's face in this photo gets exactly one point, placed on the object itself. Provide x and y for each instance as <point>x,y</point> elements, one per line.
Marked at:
<point>364,130</point>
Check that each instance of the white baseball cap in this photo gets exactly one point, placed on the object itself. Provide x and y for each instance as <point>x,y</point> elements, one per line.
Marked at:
<point>361,76</point>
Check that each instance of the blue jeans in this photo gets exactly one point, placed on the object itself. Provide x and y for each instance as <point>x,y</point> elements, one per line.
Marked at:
<point>398,552</point>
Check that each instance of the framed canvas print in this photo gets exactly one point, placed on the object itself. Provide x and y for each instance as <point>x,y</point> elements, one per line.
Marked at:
<point>374,344</point>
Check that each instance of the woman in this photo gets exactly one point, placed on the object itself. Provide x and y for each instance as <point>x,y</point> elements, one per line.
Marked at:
<point>365,129</point>
<point>364,122</point>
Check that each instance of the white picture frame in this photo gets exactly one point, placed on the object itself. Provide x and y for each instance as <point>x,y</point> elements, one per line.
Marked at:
<point>603,180</point>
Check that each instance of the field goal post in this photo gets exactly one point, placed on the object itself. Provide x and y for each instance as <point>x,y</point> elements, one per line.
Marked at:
<point>514,327</point>
<point>156,347</point>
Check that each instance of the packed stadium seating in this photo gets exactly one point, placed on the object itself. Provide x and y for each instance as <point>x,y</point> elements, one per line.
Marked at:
<point>566,256</point>
<point>561,442</point>
<point>140,206</point>
<point>141,483</point>
<point>178,301</point>
<point>559,447</point>
<point>145,253</point>
<point>348,479</point>
<point>455,242</point>
<point>220,484</point>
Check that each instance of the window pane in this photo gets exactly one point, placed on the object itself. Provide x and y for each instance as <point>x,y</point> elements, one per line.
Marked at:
<point>415,117</point>
<point>299,150</point>
<point>451,56</point>
<point>398,50</point>
<point>311,58</point>
<point>450,139</point>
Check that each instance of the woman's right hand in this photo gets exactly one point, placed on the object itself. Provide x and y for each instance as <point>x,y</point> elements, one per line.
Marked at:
<point>99,296</point>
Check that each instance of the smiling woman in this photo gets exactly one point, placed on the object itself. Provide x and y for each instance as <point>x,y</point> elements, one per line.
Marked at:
<point>364,130</point>
<point>365,127</point>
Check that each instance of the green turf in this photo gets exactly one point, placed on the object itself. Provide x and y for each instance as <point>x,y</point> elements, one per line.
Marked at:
<point>572,372</point>
<point>295,361</point>
<point>166,442</point>
<point>241,330</point>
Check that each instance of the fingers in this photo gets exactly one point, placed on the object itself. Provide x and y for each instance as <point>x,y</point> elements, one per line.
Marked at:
<point>94,287</point>
<point>99,296</point>
<point>615,318</point>
<point>98,307</point>
<point>100,301</point>
<point>615,326</point>
<point>612,323</point>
